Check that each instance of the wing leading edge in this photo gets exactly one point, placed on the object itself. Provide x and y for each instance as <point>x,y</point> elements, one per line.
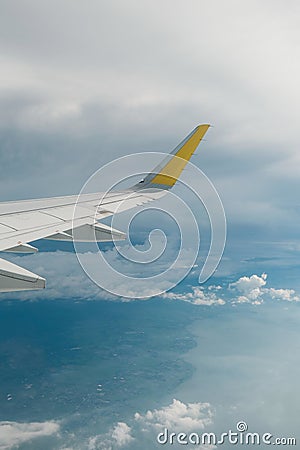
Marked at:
<point>52,218</point>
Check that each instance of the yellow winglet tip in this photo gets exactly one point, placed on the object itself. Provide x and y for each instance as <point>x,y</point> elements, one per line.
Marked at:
<point>169,174</point>
<point>203,125</point>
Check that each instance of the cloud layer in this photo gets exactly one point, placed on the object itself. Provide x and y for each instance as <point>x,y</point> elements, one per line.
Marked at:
<point>198,296</point>
<point>72,101</point>
<point>66,279</point>
<point>245,290</point>
<point>13,434</point>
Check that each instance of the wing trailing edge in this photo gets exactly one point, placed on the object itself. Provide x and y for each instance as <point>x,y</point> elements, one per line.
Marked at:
<point>90,233</point>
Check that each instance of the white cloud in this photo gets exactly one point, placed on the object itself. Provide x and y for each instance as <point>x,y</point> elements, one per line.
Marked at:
<point>250,288</point>
<point>15,433</point>
<point>198,296</point>
<point>283,294</point>
<point>119,436</point>
<point>253,290</point>
<point>177,416</point>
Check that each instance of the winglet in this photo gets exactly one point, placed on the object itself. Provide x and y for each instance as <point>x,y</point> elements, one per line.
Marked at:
<point>165,175</point>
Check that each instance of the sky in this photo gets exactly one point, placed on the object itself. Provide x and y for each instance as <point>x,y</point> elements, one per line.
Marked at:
<point>81,85</point>
<point>84,83</point>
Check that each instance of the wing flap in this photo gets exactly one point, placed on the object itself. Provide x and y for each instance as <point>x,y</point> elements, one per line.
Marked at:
<point>22,248</point>
<point>90,233</point>
<point>97,232</point>
<point>15,278</point>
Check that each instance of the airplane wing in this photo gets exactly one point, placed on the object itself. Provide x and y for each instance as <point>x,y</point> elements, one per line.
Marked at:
<point>25,221</point>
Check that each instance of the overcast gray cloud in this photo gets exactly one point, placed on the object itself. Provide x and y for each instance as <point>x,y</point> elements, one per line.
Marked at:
<point>83,83</point>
